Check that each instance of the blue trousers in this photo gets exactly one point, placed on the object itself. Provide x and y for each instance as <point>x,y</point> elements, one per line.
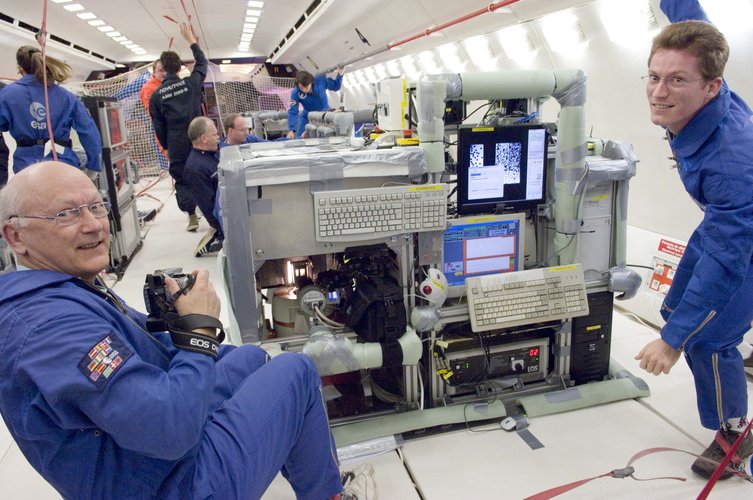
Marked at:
<point>721,388</point>
<point>272,418</point>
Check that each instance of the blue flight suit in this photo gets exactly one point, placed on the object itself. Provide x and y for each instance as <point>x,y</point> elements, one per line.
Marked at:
<point>709,306</point>
<point>23,114</point>
<point>316,100</point>
<point>201,176</point>
<point>103,409</point>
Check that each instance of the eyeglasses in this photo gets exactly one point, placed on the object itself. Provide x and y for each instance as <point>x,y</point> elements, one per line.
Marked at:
<point>673,82</point>
<point>70,216</point>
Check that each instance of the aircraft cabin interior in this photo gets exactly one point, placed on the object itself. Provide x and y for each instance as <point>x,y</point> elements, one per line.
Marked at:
<point>472,242</point>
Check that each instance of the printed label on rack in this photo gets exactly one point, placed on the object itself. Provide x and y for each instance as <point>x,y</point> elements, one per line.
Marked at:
<point>426,188</point>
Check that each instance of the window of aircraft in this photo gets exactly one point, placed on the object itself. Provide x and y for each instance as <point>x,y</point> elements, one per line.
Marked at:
<point>564,34</point>
<point>728,14</point>
<point>517,44</point>
<point>480,53</point>
<point>428,62</point>
<point>629,23</point>
<point>449,54</point>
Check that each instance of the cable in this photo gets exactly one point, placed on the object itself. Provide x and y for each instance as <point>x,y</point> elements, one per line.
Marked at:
<point>326,320</point>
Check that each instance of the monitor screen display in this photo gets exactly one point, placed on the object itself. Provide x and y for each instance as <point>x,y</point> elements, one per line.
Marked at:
<point>501,167</point>
<point>476,246</point>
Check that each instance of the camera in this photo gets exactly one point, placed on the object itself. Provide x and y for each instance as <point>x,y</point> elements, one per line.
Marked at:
<point>158,301</point>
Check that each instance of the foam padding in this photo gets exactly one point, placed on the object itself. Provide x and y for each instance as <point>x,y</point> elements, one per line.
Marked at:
<point>583,396</point>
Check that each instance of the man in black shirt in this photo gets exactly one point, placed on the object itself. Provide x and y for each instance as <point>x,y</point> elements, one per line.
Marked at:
<point>172,107</point>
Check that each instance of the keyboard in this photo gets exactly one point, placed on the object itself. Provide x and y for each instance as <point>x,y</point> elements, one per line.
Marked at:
<point>524,297</point>
<point>361,214</point>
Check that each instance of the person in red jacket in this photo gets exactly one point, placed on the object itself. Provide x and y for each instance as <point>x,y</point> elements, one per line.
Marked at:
<point>158,74</point>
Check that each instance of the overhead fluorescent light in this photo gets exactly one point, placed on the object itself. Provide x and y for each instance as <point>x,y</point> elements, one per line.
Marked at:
<point>74,7</point>
<point>130,45</point>
<point>120,38</point>
<point>98,22</point>
<point>249,25</point>
<point>113,33</point>
<point>253,12</point>
<point>105,28</point>
<point>126,42</point>
<point>61,1</point>
<point>248,30</point>
<point>246,36</point>
<point>87,15</point>
<point>255,5</point>
<point>252,19</point>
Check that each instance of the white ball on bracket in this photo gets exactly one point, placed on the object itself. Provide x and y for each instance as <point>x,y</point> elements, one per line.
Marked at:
<point>434,287</point>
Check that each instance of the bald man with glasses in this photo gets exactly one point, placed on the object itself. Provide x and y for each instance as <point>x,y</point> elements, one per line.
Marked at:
<point>104,407</point>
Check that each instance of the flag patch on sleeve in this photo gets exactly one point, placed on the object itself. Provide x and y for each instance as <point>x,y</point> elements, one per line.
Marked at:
<point>104,359</point>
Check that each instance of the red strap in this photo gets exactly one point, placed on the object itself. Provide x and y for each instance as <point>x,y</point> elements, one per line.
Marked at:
<point>723,464</point>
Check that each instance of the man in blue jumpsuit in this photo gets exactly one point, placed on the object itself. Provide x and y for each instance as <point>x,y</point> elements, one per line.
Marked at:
<point>201,176</point>
<point>311,94</point>
<point>709,306</point>
<point>172,107</point>
<point>103,408</point>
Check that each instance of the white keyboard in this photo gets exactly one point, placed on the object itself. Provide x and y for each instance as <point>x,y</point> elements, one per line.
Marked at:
<point>525,297</point>
<point>360,214</point>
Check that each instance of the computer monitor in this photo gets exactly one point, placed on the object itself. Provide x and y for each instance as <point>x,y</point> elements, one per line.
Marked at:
<point>501,168</point>
<point>480,245</point>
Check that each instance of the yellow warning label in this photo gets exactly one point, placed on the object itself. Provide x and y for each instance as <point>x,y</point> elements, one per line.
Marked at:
<point>561,268</point>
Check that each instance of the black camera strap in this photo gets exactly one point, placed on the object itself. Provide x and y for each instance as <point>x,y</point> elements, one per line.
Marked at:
<point>182,335</point>
<point>191,322</point>
<point>195,342</point>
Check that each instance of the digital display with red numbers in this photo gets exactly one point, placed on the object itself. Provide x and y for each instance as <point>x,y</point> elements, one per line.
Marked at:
<point>533,351</point>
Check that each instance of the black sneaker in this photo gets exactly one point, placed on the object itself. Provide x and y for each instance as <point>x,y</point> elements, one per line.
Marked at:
<point>706,464</point>
<point>208,244</point>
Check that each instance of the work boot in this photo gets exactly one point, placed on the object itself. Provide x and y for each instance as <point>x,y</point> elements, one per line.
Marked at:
<point>193,223</point>
<point>706,464</point>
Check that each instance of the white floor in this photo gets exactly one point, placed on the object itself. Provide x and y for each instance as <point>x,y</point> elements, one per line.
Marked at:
<point>461,464</point>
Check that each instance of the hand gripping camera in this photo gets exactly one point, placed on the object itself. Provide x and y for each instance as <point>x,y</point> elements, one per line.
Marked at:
<point>164,317</point>
<point>159,303</point>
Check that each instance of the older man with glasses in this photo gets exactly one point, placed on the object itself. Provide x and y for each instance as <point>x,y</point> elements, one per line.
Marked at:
<point>103,406</point>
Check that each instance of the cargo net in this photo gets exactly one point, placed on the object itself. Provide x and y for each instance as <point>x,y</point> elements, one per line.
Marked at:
<point>260,93</point>
<point>142,143</point>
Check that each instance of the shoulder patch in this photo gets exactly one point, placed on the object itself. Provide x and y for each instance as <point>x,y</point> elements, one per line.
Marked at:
<point>104,359</point>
